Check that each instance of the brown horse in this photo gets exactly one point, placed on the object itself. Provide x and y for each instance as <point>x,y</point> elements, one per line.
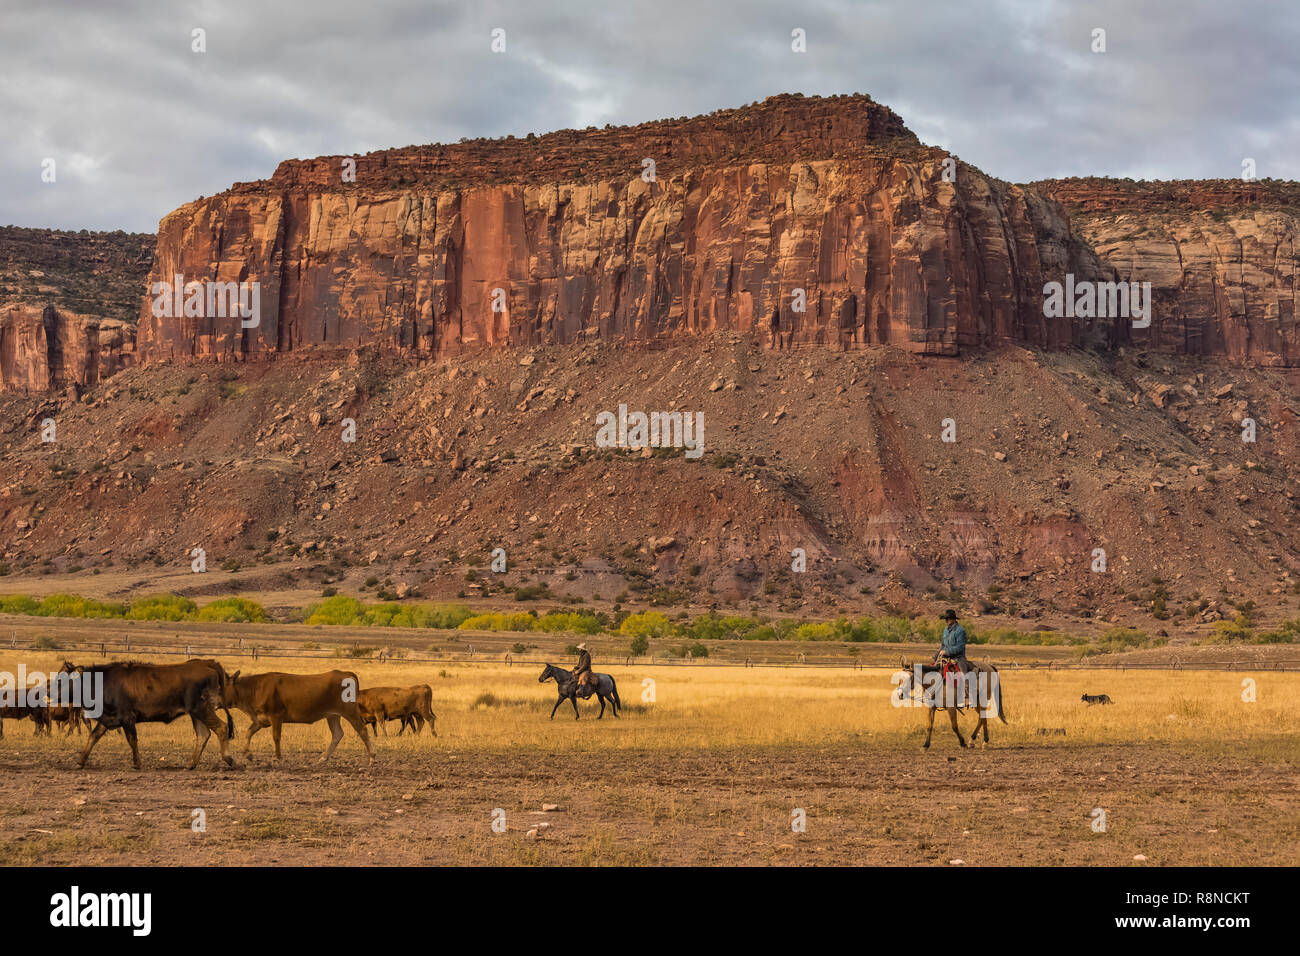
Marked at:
<point>979,687</point>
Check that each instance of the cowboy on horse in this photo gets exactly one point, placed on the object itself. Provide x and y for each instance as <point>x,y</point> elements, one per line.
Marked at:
<point>952,650</point>
<point>582,674</point>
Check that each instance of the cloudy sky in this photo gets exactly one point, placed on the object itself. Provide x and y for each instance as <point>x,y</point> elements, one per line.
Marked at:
<point>138,123</point>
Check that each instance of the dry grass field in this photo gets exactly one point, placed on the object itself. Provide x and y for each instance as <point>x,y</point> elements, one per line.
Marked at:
<point>707,765</point>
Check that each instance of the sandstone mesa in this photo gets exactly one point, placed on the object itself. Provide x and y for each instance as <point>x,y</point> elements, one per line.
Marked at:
<point>829,204</point>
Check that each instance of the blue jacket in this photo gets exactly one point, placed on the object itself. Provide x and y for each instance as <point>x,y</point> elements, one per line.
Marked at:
<point>954,640</point>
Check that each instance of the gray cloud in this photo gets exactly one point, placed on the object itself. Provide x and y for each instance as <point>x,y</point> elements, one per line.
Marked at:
<point>139,124</point>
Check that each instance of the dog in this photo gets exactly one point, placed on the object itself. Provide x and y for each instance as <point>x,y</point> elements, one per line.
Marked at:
<point>1091,699</point>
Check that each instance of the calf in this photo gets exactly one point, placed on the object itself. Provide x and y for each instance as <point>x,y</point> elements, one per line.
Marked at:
<point>70,718</point>
<point>135,693</point>
<point>274,699</point>
<point>413,705</point>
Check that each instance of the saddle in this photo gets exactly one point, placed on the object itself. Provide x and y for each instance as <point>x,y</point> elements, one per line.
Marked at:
<point>950,669</point>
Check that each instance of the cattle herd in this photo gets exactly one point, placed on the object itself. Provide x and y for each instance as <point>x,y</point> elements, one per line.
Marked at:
<point>122,695</point>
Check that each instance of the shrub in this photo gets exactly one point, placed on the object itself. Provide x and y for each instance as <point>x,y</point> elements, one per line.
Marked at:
<point>162,607</point>
<point>554,621</point>
<point>1120,639</point>
<point>646,624</point>
<point>69,605</point>
<point>816,632</point>
<point>496,621</point>
<point>1287,633</point>
<point>1235,631</point>
<point>233,609</point>
<point>338,610</point>
<point>18,604</point>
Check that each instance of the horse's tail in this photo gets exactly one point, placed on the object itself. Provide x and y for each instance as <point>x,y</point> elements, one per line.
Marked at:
<point>613,689</point>
<point>222,679</point>
<point>1002,710</point>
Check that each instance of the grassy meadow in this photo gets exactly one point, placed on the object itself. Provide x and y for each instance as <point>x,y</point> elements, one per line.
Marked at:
<point>497,707</point>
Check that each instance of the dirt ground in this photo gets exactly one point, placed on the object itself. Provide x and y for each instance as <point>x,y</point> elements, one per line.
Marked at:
<point>863,804</point>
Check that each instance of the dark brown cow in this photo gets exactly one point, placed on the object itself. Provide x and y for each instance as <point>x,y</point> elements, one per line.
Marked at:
<point>70,716</point>
<point>38,714</point>
<point>407,704</point>
<point>274,699</point>
<point>135,693</point>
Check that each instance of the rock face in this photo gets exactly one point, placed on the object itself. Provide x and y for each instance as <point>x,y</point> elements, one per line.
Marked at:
<point>807,221</point>
<point>45,348</point>
<point>68,303</point>
<point>1220,256</point>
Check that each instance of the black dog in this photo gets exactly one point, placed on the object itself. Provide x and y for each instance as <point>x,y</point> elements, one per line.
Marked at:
<point>1091,699</point>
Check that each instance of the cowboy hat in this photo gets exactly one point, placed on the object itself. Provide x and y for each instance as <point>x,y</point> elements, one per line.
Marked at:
<point>950,615</point>
<point>582,647</point>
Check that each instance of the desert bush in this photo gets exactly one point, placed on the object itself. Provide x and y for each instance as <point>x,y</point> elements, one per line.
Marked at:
<point>233,610</point>
<point>69,605</point>
<point>646,624</point>
<point>162,607</point>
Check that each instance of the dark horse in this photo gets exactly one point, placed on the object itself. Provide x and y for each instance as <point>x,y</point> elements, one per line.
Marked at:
<point>979,688</point>
<point>605,689</point>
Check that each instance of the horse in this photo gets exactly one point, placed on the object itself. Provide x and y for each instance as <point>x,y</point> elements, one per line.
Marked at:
<point>938,693</point>
<point>605,689</point>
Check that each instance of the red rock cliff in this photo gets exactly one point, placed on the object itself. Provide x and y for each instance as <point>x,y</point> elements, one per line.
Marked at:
<point>42,347</point>
<point>833,197</point>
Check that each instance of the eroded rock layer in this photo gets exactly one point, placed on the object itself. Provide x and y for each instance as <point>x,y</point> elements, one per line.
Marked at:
<point>1220,256</point>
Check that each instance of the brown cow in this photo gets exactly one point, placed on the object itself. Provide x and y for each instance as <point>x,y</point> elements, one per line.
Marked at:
<point>135,693</point>
<point>274,699</point>
<point>413,705</point>
<point>70,718</point>
<point>39,715</point>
